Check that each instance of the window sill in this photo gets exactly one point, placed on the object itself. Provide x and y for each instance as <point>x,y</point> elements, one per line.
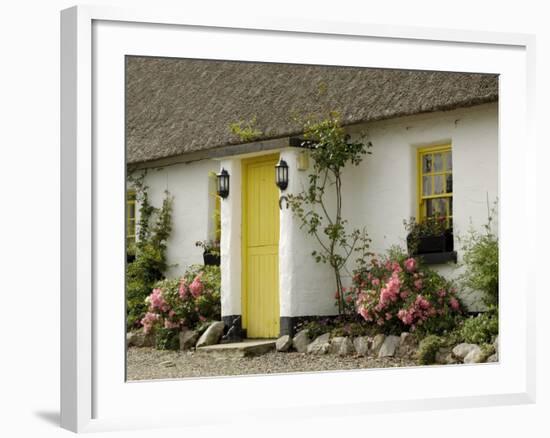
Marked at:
<point>438,258</point>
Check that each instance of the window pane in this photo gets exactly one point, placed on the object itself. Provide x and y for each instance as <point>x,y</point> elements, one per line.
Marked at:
<point>426,185</point>
<point>132,210</point>
<point>429,208</point>
<point>426,163</point>
<point>438,162</point>
<point>450,183</point>
<point>438,184</point>
<point>436,207</point>
<point>449,161</point>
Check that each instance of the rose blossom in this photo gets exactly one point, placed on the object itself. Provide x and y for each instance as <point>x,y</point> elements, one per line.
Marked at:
<point>157,301</point>
<point>148,320</point>
<point>454,303</point>
<point>410,265</point>
<point>196,287</point>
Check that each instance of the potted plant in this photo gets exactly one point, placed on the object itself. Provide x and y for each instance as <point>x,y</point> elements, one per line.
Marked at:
<point>431,235</point>
<point>211,251</point>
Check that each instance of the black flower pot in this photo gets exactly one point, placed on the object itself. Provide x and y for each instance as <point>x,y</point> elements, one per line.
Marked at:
<point>211,259</point>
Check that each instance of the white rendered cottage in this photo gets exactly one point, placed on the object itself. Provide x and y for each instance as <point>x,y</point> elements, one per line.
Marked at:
<point>178,118</point>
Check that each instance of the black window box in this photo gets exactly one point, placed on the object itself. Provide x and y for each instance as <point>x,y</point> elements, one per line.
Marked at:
<point>436,258</point>
<point>432,244</point>
<point>434,249</point>
<point>211,259</point>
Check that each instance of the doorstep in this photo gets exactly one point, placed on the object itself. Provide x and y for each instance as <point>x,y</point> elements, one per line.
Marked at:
<point>249,347</point>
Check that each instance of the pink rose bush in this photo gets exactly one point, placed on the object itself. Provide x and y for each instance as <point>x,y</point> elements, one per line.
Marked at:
<point>185,302</point>
<point>398,294</point>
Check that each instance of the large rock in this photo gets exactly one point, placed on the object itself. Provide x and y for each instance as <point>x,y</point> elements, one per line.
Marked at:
<point>188,339</point>
<point>346,348</point>
<point>139,339</point>
<point>342,346</point>
<point>460,351</point>
<point>377,343</point>
<point>212,335</point>
<point>283,343</point>
<point>301,341</point>
<point>493,358</point>
<point>362,345</point>
<point>476,355</point>
<point>320,345</point>
<point>495,344</point>
<point>407,345</point>
<point>389,347</point>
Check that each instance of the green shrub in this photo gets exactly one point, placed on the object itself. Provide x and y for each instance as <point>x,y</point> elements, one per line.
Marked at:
<point>167,339</point>
<point>487,350</point>
<point>481,328</point>
<point>428,349</point>
<point>481,262</point>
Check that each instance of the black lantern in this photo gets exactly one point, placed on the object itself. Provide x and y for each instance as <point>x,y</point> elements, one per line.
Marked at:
<point>223,183</point>
<point>281,174</point>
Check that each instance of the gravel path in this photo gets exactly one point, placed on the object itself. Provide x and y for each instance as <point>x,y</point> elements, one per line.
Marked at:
<point>148,363</point>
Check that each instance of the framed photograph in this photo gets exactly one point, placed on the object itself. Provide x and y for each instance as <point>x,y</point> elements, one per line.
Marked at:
<point>316,218</point>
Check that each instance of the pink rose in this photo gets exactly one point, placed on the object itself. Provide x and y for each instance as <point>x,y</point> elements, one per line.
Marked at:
<point>454,303</point>
<point>196,287</point>
<point>148,321</point>
<point>410,265</point>
<point>157,301</point>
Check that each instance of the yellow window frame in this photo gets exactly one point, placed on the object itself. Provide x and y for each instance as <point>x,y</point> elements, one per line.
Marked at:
<point>130,220</point>
<point>421,206</point>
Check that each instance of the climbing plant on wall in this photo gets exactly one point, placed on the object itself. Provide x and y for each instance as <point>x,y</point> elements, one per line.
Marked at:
<point>319,206</point>
<point>154,228</point>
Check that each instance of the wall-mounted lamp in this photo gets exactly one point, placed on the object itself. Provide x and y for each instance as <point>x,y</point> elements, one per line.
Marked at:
<point>281,174</point>
<point>223,183</point>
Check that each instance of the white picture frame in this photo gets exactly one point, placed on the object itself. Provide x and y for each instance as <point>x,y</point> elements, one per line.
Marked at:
<point>94,394</point>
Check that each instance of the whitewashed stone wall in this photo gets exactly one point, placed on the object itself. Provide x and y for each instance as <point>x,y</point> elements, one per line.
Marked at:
<point>193,208</point>
<point>382,192</point>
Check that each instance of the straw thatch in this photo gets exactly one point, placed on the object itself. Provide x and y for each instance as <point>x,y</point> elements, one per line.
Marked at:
<point>178,106</point>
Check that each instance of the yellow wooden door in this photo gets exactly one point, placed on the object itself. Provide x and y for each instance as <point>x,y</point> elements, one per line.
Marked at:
<point>260,282</point>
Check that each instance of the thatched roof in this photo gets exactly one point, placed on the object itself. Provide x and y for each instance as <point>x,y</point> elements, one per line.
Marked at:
<point>179,106</point>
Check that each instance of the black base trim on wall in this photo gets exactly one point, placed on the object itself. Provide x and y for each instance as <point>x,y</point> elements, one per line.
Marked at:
<point>233,330</point>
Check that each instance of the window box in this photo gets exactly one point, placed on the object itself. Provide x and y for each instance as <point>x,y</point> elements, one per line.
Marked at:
<point>211,259</point>
<point>435,244</point>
